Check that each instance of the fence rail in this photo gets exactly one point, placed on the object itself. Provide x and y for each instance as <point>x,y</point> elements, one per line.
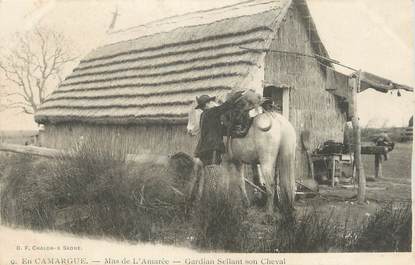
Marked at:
<point>55,153</point>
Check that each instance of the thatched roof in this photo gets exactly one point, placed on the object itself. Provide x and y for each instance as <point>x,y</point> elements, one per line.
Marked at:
<point>155,76</point>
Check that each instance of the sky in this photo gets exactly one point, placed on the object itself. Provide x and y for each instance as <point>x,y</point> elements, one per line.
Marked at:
<point>372,35</point>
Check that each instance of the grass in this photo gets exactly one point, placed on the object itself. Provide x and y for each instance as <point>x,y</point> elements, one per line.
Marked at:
<point>121,200</point>
<point>388,230</point>
<point>396,179</point>
<point>126,201</point>
<point>141,203</point>
<point>308,232</point>
<point>398,164</point>
<point>23,197</point>
<point>312,231</point>
<point>220,218</point>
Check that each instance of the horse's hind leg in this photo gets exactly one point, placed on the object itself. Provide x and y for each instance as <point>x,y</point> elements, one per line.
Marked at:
<point>268,171</point>
<point>234,169</point>
<point>241,171</point>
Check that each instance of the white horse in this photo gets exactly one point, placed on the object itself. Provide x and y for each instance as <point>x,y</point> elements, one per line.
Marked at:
<point>270,142</point>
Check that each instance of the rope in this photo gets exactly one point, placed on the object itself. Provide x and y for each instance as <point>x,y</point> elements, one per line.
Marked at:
<point>314,56</point>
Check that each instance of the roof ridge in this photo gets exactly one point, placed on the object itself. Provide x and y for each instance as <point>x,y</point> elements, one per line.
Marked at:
<point>249,8</point>
<point>155,22</point>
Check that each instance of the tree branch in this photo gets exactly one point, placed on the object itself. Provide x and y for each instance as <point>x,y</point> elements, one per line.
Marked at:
<point>33,66</point>
<point>14,94</point>
<point>23,106</point>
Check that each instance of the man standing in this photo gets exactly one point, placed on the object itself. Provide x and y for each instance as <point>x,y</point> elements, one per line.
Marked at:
<point>210,146</point>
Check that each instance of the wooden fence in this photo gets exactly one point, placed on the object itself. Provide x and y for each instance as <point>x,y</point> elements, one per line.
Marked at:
<point>53,153</point>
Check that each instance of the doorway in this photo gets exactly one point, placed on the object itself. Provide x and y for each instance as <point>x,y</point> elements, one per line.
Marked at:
<point>279,97</point>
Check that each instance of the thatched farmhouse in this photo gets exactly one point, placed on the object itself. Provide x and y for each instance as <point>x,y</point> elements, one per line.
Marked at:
<point>142,84</point>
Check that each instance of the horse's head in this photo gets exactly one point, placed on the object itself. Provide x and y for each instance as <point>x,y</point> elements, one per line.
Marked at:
<point>193,121</point>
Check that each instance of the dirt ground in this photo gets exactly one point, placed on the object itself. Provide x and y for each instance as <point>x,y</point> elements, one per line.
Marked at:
<point>395,185</point>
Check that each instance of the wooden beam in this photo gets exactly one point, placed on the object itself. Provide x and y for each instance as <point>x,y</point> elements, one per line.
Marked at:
<point>286,103</point>
<point>254,186</point>
<point>374,150</point>
<point>361,194</point>
<point>333,170</point>
<point>55,153</point>
<point>31,150</point>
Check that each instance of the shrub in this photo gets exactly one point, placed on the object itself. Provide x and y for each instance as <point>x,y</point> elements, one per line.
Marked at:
<point>220,218</point>
<point>389,229</point>
<point>91,189</point>
<point>3,166</point>
<point>307,232</point>
<point>124,200</point>
<point>224,228</point>
<point>24,196</point>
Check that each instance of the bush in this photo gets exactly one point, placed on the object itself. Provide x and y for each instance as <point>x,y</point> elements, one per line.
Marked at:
<point>389,229</point>
<point>124,200</point>
<point>224,228</point>
<point>307,232</point>
<point>93,190</point>
<point>24,195</point>
<point>220,219</point>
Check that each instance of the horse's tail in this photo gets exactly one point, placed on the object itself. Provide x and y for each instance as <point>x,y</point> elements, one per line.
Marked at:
<point>286,172</point>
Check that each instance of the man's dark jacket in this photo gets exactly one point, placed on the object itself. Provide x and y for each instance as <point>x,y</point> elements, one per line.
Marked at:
<point>211,132</point>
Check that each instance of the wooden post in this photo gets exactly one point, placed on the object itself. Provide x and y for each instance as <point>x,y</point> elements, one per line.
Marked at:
<point>378,166</point>
<point>361,194</point>
<point>333,170</point>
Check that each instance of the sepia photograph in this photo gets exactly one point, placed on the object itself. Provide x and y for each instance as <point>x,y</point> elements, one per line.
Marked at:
<point>206,132</point>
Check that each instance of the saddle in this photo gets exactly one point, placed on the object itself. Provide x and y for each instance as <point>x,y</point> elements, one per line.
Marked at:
<point>237,121</point>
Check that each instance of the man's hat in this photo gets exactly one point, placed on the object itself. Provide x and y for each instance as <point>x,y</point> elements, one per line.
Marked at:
<point>202,100</point>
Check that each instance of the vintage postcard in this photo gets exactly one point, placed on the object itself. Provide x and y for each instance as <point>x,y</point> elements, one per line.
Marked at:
<point>206,132</point>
